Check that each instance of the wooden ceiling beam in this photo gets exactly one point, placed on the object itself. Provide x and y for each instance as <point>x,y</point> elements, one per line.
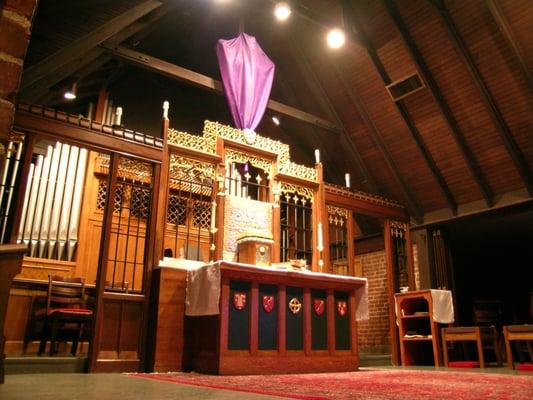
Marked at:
<point>322,98</point>
<point>437,95</point>
<point>86,43</point>
<point>508,35</point>
<point>205,82</point>
<point>402,109</point>
<point>497,118</point>
<point>412,204</point>
<point>95,57</point>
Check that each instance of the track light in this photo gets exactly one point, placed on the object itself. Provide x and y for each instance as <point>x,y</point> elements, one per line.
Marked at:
<point>336,38</point>
<point>282,11</point>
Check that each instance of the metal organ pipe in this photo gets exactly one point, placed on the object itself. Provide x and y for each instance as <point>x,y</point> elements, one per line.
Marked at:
<point>14,173</point>
<point>52,202</point>
<point>37,219</point>
<point>50,191</point>
<point>76,204</point>
<point>33,200</point>
<point>25,205</point>
<point>64,216</point>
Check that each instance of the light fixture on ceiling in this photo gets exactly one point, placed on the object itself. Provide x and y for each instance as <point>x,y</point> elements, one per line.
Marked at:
<point>336,38</point>
<point>276,120</point>
<point>72,93</point>
<point>282,11</point>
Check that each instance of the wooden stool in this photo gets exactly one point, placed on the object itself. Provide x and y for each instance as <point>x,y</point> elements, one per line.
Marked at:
<point>516,332</point>
<point>470,334</point>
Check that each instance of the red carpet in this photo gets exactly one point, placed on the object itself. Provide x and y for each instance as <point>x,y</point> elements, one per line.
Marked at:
<point>375,384</point>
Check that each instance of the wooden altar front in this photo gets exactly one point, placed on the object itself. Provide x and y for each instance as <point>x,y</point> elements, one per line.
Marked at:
<point>270,321</point>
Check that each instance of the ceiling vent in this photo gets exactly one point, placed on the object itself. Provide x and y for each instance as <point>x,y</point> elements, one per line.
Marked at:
<point>404,87</point>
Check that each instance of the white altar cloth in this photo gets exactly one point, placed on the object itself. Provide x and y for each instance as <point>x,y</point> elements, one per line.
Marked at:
<point>442,306</point>
<point>203,285</point>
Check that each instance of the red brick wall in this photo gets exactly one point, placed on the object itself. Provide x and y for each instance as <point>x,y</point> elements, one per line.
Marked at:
<point>374,335</point>
<point>15,23</point>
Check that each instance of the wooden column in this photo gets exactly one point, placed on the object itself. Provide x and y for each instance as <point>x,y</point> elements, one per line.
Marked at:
<point>330,306</point>
<point>162,194</point>
<point>10,265</point>
<point>254,318</point>
<point>220,200</point>
<point>306,309</point>
<point>410,259</point>
<point>320,215</point>
<point>282,315</point>
<point>350,256</point>
<point>391,279</point>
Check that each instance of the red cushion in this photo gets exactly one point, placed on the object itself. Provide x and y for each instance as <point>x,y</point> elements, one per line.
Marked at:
<point>71,310</point>
<point>463,364</point>
<point>524,367</point>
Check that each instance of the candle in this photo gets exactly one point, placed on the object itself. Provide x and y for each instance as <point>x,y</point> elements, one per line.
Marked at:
<point>320,244</point>
<point>213,216</point>
<point>317,156</point>
<point>347,177</point>
<point>166,106</point>
<point>119,115</point>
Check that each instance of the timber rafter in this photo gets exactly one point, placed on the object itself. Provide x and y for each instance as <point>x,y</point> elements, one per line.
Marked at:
<point>497,118</point>
<point>436,93</point>
<point>402,109</point>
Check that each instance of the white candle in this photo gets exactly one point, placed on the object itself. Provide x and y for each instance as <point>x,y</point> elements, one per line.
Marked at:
<point>213,216</point>
<point>119,115</point>
<point>239,186</point>
<point>347,177</point>
<point>166,106</point>
<point>320,238</point>
<point>317,156</point>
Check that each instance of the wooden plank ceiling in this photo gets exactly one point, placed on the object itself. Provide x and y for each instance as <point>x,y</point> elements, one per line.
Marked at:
<point>462,143</point>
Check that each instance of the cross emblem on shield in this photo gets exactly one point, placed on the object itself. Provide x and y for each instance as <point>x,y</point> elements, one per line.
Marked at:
<point>268,303</point>
<point>239,300</point>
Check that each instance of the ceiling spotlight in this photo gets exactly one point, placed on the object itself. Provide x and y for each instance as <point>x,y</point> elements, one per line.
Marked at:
<point>275,120</point>
<point>336,38</point>
<point>72,93</point>
<point>282,11</point>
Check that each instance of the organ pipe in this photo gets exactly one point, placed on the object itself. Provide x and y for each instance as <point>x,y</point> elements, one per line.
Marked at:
<point>52,202</point>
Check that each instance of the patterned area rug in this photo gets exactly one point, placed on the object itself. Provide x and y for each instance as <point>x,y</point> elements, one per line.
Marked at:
<point>375,384</point>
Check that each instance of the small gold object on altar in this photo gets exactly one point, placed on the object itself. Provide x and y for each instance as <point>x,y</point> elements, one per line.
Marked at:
<point>298,264</point>
<point>255,248</point>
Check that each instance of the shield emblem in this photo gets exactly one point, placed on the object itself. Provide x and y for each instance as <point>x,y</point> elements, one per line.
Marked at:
<point>319,305</point>
<point>342,308</point>
<point>268,303</point>
<point>239,300</point>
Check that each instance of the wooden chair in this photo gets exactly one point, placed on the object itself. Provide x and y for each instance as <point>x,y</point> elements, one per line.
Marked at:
<point>66,316</point>
<point>485,333</point>
<point>517,333</point>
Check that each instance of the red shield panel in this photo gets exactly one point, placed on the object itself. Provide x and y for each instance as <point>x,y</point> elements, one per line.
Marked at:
<point>342,308</point>
<point>239,300</point>
<point>320,306</point>
<point>268,303</point>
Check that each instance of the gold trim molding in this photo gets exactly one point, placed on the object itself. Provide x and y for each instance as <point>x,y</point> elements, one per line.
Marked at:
<point>258,162</point>
<point>299,190</point>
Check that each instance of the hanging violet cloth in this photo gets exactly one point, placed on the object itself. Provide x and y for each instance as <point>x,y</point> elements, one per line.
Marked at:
<point>247,75</point>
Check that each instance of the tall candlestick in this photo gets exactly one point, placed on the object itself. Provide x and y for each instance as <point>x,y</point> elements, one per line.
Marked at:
<point>320,238</point>
<point>213,216</point>
<point>166,106</point>
<point>347,177</point>
<point>317,156</point>
<point>119,115</point>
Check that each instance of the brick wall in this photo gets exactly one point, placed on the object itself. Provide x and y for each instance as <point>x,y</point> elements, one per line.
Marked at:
<point>15,23</point>
<point>374,335</point>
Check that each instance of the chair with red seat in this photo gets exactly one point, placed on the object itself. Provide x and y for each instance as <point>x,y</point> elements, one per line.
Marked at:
<point>66,316</point>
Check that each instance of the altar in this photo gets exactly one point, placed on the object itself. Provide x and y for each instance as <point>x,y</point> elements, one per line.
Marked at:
<point>265,319</point>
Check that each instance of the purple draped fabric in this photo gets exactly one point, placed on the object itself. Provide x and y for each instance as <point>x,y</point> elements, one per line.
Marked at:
<point>247,75</point>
